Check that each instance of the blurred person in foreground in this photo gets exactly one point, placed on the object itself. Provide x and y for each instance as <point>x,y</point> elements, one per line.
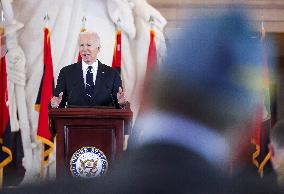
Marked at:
<point>276,148</point>
<point>202,103</point>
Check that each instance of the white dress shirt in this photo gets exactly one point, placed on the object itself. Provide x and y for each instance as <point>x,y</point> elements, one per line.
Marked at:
<point>94,71</point>
<point>161,127</point>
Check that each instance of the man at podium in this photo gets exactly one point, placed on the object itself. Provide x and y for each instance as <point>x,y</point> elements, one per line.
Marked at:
<point>88,82</point>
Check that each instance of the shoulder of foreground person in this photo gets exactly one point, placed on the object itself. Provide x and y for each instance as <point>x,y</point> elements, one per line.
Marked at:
<point>163,168</point>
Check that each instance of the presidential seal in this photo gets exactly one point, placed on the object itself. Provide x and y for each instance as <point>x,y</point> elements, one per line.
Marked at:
<point>88,162</point>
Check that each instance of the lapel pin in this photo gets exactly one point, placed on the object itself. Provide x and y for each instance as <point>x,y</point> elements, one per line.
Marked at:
<point>103,72</point>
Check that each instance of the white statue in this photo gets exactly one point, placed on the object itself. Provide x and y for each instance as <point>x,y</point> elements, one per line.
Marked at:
<point>16,85</point>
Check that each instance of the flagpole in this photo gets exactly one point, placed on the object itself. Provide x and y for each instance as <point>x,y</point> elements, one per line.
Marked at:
<point>84,20</point>
<point>42,164</point>
<point>152,22</point>
<point>42,161</point>
<point>262,29</point>
<point>266,98</point>
<point>262,36</point>
<point>1,178</point>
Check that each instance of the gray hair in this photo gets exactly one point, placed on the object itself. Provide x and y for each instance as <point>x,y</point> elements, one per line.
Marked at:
<point>94,34</point>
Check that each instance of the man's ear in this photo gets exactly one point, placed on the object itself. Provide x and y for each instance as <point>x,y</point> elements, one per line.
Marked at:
<point>273,157</point>
<point>99,49</point>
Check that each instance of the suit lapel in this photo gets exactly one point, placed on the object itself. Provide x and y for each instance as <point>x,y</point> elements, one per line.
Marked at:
<point>99,80</point>
<point>80,88</point>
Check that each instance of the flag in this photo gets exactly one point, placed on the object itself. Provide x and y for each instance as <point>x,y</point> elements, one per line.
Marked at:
<point>266,125</point>
<point>152,56</point>
<point>256,140</point>
<point>5,128</point>
<point>44,96</point>
<point>151,68</point>
<point>79,58</point>
<point>116,60</point>
<point>262,155</point>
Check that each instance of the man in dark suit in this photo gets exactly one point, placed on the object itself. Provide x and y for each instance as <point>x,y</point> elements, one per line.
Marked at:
<point>88,82</point>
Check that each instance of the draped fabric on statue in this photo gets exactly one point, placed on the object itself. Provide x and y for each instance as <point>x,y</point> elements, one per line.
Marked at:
<point>44,95</point>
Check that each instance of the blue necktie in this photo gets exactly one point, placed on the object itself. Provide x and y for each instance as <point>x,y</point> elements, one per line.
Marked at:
<point>89,82</point>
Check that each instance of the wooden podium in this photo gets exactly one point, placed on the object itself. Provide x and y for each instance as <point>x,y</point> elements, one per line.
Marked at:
<point>83,127</point>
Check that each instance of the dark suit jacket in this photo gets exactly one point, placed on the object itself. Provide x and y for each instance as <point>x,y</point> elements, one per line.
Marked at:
<point>156,168</point>
<point>71,82</point>
<point>162,168</point>
<point>168,168</point>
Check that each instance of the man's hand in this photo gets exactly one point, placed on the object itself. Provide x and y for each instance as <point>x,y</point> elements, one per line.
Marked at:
<point>121,98</point>
<point>55,101</point>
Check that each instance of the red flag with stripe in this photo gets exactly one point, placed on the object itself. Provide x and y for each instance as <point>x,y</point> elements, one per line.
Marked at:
<point>151,68</point>
<point>5,128</point>
<point>116,60</point>
<point>44,132</point>
<point>152,65</point>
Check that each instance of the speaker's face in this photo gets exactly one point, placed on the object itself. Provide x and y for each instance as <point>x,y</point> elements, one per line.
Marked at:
<point>89,47</point>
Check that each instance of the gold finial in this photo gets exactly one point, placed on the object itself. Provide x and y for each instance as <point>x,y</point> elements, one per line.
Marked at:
<point>262,29</point>
<point>46,16</point>
<point>46,19</point>
<point>118,24</point>
<point>84,20</point>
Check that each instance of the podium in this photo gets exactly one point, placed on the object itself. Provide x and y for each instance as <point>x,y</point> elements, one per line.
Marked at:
<point>85,127</point>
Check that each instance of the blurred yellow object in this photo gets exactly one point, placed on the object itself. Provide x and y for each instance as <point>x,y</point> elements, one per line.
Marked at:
<point>1,30</point>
